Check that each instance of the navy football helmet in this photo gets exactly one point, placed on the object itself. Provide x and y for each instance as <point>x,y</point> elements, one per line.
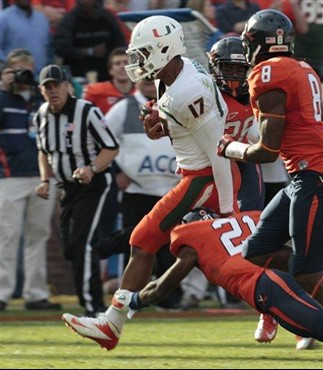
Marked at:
<point>267,33</point>
<point>199,214</point>
<point>228,66</point>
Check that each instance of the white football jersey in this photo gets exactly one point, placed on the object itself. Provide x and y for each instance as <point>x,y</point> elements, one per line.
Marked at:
<point>192,100</point>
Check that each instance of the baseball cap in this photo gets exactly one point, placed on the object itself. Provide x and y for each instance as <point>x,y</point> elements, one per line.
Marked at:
<point>51,72</point>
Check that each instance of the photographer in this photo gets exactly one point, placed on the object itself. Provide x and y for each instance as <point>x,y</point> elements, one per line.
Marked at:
<point>20,208</point>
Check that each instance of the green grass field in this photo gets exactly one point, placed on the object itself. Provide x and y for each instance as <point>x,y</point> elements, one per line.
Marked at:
<point>147,343</point>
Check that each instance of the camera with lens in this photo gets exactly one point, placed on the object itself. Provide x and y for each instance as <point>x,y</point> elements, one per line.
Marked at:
<point>24,76</point>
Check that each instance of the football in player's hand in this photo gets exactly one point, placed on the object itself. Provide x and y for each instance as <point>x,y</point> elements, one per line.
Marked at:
<point>152,125</point>
<point>152,118</point>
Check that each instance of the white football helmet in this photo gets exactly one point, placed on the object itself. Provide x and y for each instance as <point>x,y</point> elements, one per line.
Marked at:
<point>155,41</point>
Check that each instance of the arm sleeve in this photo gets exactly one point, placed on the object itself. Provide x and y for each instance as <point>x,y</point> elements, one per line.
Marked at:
<point>207,138</point>
<point>189,234</point>
<point>268,76</point>
<point>99,130</point>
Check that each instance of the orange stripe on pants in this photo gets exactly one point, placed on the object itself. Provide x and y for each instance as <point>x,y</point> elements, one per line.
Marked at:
<point>311,217</point>
<point>279,281</point>
<point>280,314</point>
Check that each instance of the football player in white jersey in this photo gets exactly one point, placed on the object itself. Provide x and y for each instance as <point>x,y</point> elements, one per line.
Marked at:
<point>192,112</point>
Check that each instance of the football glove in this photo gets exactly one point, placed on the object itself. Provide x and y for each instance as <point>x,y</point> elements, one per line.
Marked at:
<point>146,109</point>
<point>223,144</point>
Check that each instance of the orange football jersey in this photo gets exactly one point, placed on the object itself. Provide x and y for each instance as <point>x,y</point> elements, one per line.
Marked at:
<point>218,244</point>
<point>302,143</point>
<point>239,119</point>
<point>103,95</point>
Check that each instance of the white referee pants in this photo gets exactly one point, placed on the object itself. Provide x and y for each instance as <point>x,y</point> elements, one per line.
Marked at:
<point>23,213</point>
<point>195,283</point>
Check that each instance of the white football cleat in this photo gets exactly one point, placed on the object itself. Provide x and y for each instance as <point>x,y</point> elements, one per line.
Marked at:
<point>266,330</point>
<point>304,343</point>
<point>98,329</point>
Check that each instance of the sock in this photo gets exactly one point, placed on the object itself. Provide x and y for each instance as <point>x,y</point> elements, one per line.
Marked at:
<point>116,316</point>
<point>135,303</point>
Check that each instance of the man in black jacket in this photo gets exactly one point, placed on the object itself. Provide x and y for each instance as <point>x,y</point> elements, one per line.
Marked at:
<point>85,37</point>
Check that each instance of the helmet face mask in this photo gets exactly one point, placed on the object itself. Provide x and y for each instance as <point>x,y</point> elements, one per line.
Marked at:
<point>267,34</point>
<point>229,67</point>
<point>155,41</point>
<point>138,58</point>
<point>233,77</point>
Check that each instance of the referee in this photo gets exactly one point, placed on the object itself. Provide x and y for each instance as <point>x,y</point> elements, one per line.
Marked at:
<point>76,146</point>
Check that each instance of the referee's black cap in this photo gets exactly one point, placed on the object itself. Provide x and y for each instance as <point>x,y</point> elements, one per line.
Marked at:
<point>52,72</point>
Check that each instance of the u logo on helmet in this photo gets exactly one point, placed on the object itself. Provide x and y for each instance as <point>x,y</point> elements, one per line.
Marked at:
<point>156,34</point>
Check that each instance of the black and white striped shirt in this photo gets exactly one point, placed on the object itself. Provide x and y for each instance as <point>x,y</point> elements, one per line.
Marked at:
<point>72,138</point>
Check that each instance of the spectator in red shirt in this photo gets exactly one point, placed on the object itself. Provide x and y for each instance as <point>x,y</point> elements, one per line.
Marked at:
<point>105,94</point>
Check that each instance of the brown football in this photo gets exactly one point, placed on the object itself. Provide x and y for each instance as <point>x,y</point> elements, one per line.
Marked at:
<point>153,118</point>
